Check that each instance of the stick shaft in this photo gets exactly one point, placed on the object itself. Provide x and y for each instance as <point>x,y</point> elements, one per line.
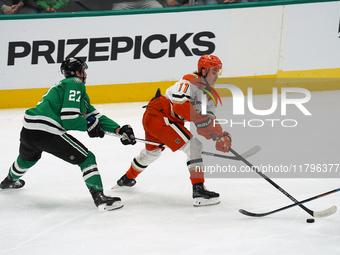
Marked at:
<point>310,212</point>
<point>246,154</point>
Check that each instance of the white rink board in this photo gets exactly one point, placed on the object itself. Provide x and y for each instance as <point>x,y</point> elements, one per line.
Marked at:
<point>249,41</point>
<point>312,37</point>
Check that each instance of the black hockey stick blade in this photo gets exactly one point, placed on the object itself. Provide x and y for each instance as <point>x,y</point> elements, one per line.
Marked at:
<point>320,214</point>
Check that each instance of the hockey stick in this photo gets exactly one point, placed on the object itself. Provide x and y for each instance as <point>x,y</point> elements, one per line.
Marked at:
<point>320,214</point>
<point>246,154</point>
<point>309,211</point>
<point>160,145</point>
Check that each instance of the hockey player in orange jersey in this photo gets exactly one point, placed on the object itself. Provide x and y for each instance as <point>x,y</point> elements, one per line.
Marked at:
<point>163,122</point>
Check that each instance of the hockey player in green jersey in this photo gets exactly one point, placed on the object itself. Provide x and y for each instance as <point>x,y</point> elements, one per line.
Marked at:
<point>66,106</point>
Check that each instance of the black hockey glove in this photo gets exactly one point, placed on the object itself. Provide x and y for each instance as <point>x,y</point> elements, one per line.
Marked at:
<point>128,137</point>
<point>94,129</point>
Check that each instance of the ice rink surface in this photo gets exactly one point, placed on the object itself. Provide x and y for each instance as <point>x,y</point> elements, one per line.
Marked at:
<point>54,213</point>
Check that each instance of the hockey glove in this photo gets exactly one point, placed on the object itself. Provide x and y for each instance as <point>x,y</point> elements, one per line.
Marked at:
<point>94,129</point>
<point>224,142</point>
<point>128,137</point>
<point>204,127</point>
<point>217,130</point>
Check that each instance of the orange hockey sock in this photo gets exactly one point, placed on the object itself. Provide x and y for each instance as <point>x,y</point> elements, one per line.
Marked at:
<point>196,175</point>
<point>132,173</point>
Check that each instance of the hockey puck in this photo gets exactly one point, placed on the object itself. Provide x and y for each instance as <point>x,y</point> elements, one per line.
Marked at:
<point>310,220</point>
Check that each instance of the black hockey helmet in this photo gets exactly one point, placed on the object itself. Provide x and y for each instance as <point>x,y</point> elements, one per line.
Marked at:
<point>70,65</point>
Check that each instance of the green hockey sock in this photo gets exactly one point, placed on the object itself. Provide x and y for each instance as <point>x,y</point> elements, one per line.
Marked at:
<point>91,174</point>
<point>19,167</point>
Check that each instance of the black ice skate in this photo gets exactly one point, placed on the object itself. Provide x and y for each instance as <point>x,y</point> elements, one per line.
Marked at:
<point>202,196</point>
<point>9,183</point>
<point>125,181</point>
<point>105,203</point>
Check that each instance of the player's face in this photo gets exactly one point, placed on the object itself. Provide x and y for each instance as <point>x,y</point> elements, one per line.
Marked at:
<point>212,76</point>
<point>82,75</point>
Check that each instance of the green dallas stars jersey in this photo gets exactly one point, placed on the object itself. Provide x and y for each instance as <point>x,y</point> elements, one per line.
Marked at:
<point>65,106</point>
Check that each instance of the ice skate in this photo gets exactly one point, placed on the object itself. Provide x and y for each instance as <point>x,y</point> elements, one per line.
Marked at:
<point>105,203</point>
<point>9,183</point>
<point>124,181</point>
<point>203,197</point>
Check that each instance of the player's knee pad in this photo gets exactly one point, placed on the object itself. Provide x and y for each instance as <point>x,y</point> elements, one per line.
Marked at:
<point>193,150</point>
<point>89,161</point>
<point>145,158</point>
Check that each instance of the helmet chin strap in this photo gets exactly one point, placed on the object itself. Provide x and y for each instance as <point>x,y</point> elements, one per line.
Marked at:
<point>205,77</point>
<point>205,80</point>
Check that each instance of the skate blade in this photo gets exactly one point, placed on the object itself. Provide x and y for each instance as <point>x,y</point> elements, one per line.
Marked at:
<point>114,206</point>
<point>116,186</point>
<point>200,201</point>
<point>119,187</point>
